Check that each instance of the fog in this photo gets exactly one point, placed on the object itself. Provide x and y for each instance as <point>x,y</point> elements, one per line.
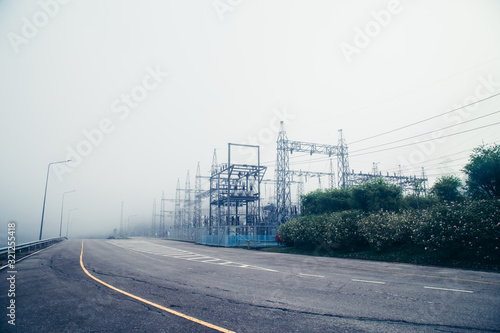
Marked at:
<point>137,93</point>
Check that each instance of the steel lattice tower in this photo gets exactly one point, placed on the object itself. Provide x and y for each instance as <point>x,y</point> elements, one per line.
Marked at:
<point>197,198</point>
<point>283,178</point>
<point>342,162</point>
<point>214,218</point>
<point>300,193</point>
<point>177,211</point>
<point>186,224</point>
<point>331,176</point>
<point>162,215</point>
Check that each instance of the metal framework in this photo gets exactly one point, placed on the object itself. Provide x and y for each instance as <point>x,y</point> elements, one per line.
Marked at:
<point>343,162</point>
<point>407,183</point>
<point>186,210</point>
<point>177,210</point>
<point>197,198</point>
<point>283,176</point>
<point>235,191</point>
<point>284,147</point>
<point>234,194</point>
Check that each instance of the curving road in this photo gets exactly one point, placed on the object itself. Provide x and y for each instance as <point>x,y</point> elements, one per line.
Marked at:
<point>144,285</point>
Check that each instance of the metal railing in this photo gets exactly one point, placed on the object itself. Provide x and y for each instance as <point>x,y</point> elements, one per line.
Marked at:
<point>31,246</point>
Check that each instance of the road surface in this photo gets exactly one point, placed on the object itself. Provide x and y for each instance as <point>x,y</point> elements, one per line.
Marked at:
<point>148,285</point>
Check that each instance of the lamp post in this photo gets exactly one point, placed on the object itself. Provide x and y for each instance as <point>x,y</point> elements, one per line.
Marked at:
<point>45,195</point>
<point>62,210</point>
<point>67,223</point>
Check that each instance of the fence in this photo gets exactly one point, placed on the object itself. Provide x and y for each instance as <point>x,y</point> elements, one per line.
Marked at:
<point>230,236</point>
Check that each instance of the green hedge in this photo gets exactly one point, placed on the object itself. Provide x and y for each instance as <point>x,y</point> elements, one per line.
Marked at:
<point>337,231</point>
<point>468,229</point>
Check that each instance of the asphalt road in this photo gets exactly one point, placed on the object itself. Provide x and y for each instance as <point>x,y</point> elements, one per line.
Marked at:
<point>238,290</point>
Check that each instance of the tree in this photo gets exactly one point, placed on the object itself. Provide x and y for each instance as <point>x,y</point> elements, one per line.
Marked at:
<point>447,188</point>
<point>325,201</point>
<point>483,172</point>
<point>376,195</point>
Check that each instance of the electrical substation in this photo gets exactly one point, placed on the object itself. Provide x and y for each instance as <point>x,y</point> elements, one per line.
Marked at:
<point>235,206</point>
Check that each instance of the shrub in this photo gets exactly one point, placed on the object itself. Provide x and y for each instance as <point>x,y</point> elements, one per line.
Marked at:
<point>326,201</point>
<point>469,229</point>
<point>463,229</point>
<point>385,229</point>
<point>375,195</point>
<point>333,231</point>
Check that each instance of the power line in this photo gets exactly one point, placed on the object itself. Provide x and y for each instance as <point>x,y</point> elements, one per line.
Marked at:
<point>321,159</point>
<point>410,144</point>
<point>440,129</point>
<point>447,166</point>
<point>427,119</point>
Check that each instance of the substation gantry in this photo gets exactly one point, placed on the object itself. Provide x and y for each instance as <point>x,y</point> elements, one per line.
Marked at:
<point>345,177</point>
<point>284,148</point>
<point>235,191</point>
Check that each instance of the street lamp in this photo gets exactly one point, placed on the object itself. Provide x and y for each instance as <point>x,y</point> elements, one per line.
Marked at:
<point>45,195</point>
<point>62,207</point>
<point>67,223</point>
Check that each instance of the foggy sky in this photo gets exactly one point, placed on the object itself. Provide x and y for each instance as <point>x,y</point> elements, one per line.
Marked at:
<point>136,93</point>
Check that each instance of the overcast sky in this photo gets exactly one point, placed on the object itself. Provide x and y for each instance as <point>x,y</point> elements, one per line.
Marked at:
<point>135,93</point>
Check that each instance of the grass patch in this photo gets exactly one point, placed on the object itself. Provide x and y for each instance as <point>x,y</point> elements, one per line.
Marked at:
<point>402,255</point>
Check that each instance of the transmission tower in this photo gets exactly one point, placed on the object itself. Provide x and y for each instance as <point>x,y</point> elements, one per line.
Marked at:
<point>283,172</point>
<point>215,212</point>
<point>342,162</point>
<point>197,198</point>
<point>162,215</point>
<point>300,193</point>
<point>177,211</point>
<point>283,191</point>
<point>187,207</point>
<point>331,176</point>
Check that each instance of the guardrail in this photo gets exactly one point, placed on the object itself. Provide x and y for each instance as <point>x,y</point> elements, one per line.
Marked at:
<point>31,246</point>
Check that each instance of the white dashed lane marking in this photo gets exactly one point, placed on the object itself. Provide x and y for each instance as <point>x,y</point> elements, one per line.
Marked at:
<point>146,247</point>
<point>311,275</point>
<point>366,281</point>
<point>446,289</point>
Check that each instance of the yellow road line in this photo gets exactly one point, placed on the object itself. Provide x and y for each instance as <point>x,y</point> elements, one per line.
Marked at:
<point>198,321</point>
